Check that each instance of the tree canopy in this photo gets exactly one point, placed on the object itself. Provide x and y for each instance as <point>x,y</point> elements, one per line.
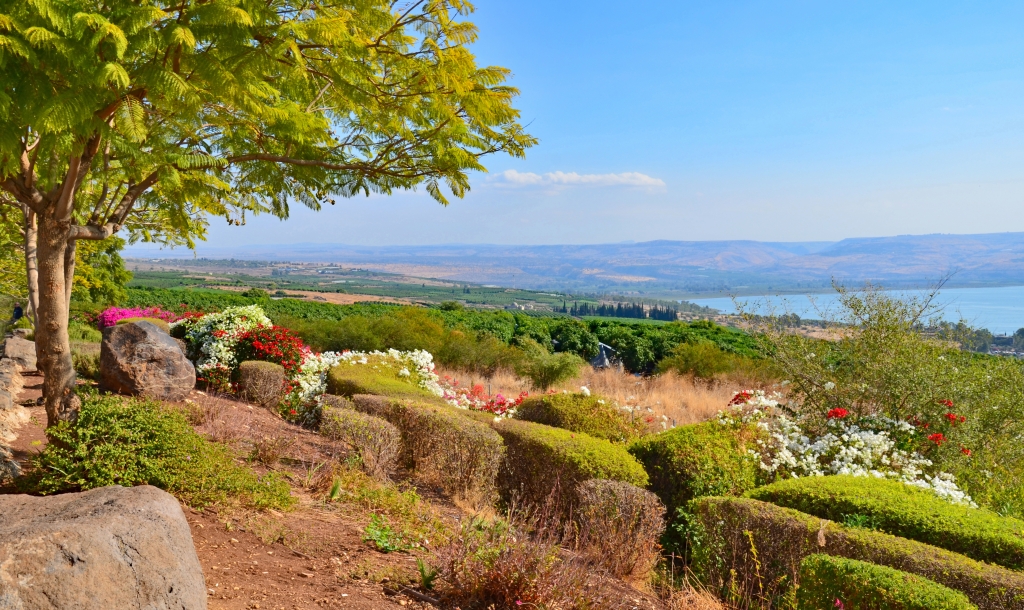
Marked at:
<point>163,112</point>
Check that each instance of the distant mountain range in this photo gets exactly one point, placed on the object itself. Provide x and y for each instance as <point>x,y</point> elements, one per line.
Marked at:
<point>662,268</point>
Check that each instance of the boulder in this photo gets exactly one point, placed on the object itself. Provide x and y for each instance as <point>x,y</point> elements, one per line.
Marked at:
<point>21,351</point>
<point>140,359</point>
<point>12,414</point>
<point>111,547</point>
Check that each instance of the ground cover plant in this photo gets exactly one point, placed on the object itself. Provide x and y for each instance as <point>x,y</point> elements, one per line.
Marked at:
<point>902,510</point>
<point>118,441</point>
<point>849,584</point>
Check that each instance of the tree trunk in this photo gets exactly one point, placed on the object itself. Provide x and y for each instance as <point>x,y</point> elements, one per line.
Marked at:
<point>52,345</point>
<point>31,263</point>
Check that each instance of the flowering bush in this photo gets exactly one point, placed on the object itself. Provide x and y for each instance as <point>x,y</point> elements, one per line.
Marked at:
<point>477,399</point>
<point>110,316</point>
<point>212,339</point>
<point>858,446</point>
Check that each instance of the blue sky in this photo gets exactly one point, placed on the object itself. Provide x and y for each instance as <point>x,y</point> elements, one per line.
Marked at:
<point>777,121</point>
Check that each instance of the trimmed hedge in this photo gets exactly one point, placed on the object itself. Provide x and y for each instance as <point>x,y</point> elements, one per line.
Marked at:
<point>543,463</point>
<point>619,527</point>
<point>695,461</point>
<point>591,415</point>
<point>161,324</point>
<point>352,379</point>
<point>730,530</point>
<point>378,442</point>
<point>865,586</point>
<point>261,382</point>
<point>459,453</point>
<point>903,510</point>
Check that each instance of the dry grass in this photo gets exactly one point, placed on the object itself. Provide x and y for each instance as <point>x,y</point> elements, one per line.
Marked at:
<point>663,401</point>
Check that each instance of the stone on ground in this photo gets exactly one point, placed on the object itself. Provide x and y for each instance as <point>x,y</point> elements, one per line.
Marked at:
<point>112,547</point>
<point>140,359</point>
<point>21,351</point>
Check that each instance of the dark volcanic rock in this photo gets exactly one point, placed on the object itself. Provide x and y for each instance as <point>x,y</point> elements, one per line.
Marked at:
<point>140,359</point>
<point>111,547</point>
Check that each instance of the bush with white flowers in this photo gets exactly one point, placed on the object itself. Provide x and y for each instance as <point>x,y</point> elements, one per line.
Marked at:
<point>867,446</point>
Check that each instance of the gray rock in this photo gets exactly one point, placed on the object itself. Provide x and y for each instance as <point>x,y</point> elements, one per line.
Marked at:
<point>12,414</point>
<point>21,351</point>
<point>112,547</point>
<point>142,360</point>
<point>23,333</point>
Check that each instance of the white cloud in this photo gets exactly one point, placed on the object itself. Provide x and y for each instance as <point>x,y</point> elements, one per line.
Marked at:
<point>511,177</point>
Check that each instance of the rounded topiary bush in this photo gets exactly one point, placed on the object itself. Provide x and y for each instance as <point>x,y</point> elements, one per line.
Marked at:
<point>619,526</point>
<point>261,382</point>
<point>348,379</point>
<point>577,412</point>
<point>545,464</point>
<point>695,461</point>
<point>903,510</point>
<point>161,324</point>
<point>378,442</point>
<point>836,582</point>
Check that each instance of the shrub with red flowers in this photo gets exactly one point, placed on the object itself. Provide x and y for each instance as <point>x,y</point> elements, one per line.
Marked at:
<point>271,344</point>
<point>477,399</point>
<point>837,413</point>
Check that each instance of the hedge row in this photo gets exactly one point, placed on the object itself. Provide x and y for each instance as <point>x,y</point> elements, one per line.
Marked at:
<point>544,463</point>
<point>459,453</point>
<point>378,442</point>
<point>858,585</point>
<point>591,415</point>
<point>902,510</point>
<point>695,461</point>
<point>352,379</point>
<point>740,544</point>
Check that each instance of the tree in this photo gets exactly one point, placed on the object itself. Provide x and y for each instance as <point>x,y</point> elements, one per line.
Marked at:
<point>149,115</point>
<point>100,274</point>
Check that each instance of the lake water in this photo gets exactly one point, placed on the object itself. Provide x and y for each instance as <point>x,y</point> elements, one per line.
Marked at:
<point>1001,310</point>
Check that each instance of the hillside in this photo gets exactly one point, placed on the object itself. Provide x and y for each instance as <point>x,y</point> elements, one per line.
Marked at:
<point>679,267</point>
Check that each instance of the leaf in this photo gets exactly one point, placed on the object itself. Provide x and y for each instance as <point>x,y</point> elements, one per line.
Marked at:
<point>113,74</point>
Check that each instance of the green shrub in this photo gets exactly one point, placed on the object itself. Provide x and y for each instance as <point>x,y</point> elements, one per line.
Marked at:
<point>83,333</point>
<point>377,441</point>
<point>350,379</point>
<point>694,461</point>
<point>161,324</point>
<point>745,549</point>
<point>541,462</point>
<point>543,368</point>
<point>906,511</point>
<point>591,415</point>
<point>859,585</point>
<point>130,442</point>
<point>261,382</point>
<point>459,453</point>
<point>85,358</point>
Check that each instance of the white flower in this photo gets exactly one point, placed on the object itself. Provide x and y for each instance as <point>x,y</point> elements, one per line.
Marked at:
<point>829,385</point>
<point>585,390</point>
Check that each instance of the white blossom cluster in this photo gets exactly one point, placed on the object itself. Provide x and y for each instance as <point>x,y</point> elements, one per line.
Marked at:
<point>861,449</point>
<point>211,351</point>
<point>415,365</point>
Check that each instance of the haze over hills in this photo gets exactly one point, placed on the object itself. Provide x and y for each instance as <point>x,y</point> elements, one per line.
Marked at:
<point>661,268</point>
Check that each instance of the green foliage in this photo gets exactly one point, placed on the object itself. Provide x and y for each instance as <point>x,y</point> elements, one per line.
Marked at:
<point>903,510</point>
<point>707,362</point>
<point>884,364</point>
<point>545,369</point>
<point>100,274</point>
<point>85,358</point>
<point>591,415</point>
<point>642,346</point>
<point>348,379</point>
<point>385,539</point>
<point>82,332</point>
<point>574,337</point>
<point>161,324</point>
<point>117,441</point>
<point>459,453</point>
<point>256,293</point>
<point>427,574</point>
<point>541,460</point>
<point>750,550</point>
<point>378,442</point>
<point>865,586</point>
<point>694,461</point>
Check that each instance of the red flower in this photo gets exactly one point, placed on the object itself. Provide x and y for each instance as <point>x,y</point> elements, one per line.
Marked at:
<point>965,451</point>
<point>955,419</point>
<point>948,403</point>
<point>741,397</point>
<point>938,438</point>
<point>838,413</point>
<point>293,412</point>
<point>839,604</point>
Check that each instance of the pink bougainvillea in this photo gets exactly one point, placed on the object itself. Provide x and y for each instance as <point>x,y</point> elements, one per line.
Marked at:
<point>111,315</point>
